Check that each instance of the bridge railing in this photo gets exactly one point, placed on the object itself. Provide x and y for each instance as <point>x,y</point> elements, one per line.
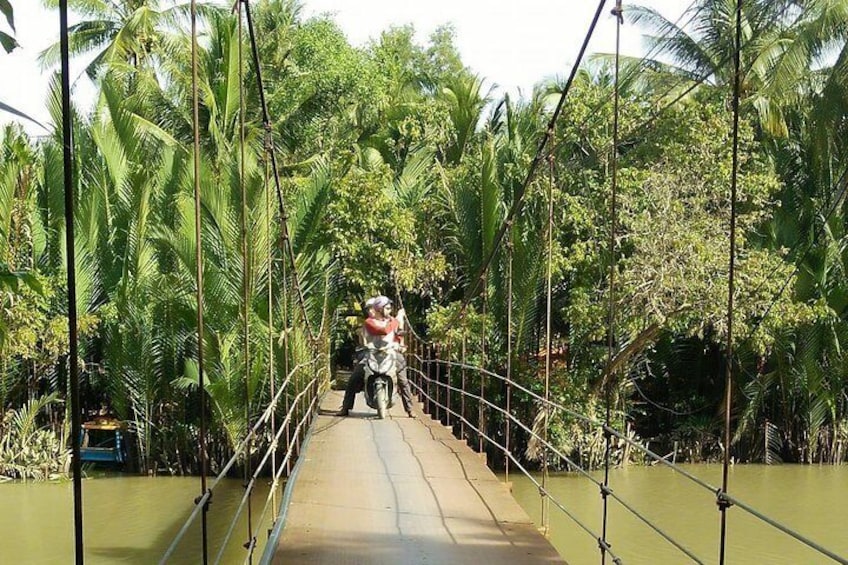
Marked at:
<point>434,380</point>
<point>302,404</point>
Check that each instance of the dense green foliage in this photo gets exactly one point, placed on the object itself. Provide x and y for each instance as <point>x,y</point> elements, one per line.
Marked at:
<point>397,170</point>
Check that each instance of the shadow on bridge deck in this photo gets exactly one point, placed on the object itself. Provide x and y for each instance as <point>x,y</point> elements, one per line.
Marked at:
<point>401,491</point>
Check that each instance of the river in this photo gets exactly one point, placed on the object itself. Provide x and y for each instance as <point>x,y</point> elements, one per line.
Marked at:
<point>133,519</point>
<point>126,519</point>
<point>812,500</point>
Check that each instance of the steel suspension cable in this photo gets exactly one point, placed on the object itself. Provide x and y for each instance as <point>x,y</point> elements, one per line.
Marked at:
<point>778,526</point>
<point>449,378</point>
<point>659,459</point>
<point>596,423</point>
<point>464,378</point>
<point>509,336</point>
<point>721,500</point>
<point>548,336</point>
<point>272,374</point>
<point>266,122</point>
<point>609,376</point>
<point>841,188</point>
<point>518,464</point>
<point>696,81</point>
<point>202,501</point>
<point>518,200</point>
<point>204,498</point>
<point>649,453</point>
<point>70,258</point>
<point>284,464</point>
<point>251,539</point>
<point>595,111</point>
<point>245,499</point>
<point>286,326</point>
<point>439,377</point>
<point>584,473</point>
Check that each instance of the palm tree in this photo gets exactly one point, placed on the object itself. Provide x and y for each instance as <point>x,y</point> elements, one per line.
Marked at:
<point>126,31</point>
<point>782,42</point>
<point>794,68</point>
<point>465,107</point>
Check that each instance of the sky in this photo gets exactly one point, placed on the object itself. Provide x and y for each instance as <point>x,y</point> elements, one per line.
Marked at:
<point>512,44</point>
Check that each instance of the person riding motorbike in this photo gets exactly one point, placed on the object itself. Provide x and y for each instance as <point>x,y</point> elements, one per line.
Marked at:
<point>380,329</point>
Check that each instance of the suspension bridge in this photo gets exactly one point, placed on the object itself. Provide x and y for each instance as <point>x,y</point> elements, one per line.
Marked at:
<point>360,490</point>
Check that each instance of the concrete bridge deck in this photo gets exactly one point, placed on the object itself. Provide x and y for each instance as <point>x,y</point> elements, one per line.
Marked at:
<point>400,491</point>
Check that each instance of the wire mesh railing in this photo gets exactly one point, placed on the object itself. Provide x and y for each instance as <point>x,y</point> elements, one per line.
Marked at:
<point>423,362</point>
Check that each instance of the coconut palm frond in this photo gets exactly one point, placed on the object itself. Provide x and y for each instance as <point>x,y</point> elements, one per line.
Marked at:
<point>415,181</point>
<point>306,217</point>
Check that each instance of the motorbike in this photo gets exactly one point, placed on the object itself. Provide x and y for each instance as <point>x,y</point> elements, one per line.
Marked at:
<point>381,369</point>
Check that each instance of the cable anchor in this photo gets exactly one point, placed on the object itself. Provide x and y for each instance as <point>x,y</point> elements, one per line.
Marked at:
<point>206,504</point>
<point>618,12</point>
<point>722,500</point>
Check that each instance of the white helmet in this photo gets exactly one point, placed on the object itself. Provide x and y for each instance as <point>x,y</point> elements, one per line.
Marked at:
<point>381,302</point>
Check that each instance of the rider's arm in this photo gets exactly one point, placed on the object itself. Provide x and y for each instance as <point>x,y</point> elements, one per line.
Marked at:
<point>379,327</point>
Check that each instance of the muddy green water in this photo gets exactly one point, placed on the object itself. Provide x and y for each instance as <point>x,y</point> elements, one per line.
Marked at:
<point>126,520</point>
<point>133,519</point>
<point>811,500</point>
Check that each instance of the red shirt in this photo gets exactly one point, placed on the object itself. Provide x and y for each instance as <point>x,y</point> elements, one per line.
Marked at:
<point>381,327</point>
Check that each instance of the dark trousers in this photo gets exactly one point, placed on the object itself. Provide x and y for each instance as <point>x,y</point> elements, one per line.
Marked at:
<point>356,384</point>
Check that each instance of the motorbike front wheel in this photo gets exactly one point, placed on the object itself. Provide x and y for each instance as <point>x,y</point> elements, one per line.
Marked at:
<point>382,401</point>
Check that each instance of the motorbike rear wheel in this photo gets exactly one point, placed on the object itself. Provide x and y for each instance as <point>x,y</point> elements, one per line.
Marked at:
<point>382,402</point>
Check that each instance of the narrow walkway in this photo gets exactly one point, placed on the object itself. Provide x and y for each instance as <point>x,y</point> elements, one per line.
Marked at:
<point>401,491</point>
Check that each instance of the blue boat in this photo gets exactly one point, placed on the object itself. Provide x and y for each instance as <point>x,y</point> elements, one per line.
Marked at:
<point>102,441</point>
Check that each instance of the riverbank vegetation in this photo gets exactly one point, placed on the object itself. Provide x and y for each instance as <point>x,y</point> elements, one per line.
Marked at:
<point>397,166</point>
